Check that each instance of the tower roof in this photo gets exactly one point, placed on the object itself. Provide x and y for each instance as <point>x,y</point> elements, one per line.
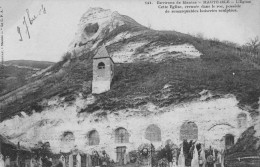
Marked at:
<point>102,53</point>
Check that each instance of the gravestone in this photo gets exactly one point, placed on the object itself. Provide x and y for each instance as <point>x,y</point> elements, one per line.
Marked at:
<point>62,159</point>
<point>71,160</point>
<point>78,160</point>
<point>7,162</point>
<point>66,160</point>
<point>144,157</point>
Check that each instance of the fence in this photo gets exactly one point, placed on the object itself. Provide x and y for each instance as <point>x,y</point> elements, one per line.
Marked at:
<point>252,161</point>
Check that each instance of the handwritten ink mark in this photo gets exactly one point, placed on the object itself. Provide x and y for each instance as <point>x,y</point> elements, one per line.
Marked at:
<point>31,19</point>
<point>27,29</point>
<point>19,32</point>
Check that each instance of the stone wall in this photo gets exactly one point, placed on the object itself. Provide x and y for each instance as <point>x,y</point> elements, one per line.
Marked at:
<point>214,120</point>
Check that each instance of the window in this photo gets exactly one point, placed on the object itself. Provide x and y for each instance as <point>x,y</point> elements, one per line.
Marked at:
<point>101,65</point>
<point>189,131</point>
<point>229,140</point>
<point>67,137</point>
<point>67,140</point>
<point>93,138</point>
<point>153,133</point>
<point>121,135</point>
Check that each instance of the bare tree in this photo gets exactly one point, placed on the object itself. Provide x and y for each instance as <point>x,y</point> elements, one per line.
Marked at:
<point>254,44</point>
<point>149,25</point>
<point>200,35</point>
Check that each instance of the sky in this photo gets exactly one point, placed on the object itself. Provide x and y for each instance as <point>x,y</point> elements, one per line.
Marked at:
<point>51,33</point>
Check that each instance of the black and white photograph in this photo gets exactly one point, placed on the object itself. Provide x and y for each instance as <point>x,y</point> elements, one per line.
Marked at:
<point>120,83</point>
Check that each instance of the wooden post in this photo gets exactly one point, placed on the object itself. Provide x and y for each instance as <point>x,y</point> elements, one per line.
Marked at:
<point>18,154</point>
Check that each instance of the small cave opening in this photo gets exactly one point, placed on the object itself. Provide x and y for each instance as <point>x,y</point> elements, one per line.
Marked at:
<point>91,29</point>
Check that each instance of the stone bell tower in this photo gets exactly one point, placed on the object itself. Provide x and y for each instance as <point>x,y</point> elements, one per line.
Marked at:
<point>103,71</point>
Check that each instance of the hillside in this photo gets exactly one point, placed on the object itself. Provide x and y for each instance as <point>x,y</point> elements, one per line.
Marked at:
<point>139,79</point>
<point>29,64</point>
<point>17,73</point>
<point>161,68</point>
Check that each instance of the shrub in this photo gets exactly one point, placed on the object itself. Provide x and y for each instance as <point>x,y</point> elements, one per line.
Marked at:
<point>67,56</point>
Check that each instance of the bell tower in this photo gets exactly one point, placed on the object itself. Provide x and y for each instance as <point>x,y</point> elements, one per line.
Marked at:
<point>103,71</point>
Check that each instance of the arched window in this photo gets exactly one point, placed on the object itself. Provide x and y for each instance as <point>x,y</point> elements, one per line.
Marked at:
<point>67,141</point>
<point>153,133</point>
<point>101,65</point>
<point>242,120</point>
<point>93,138</point>
<point>189,131</point>
<point>67,137</point>
<point>121,135</point>
<point>229,140</point>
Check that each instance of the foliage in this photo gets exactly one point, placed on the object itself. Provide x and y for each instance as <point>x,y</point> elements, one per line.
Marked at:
<point>219,69</point>
<point>29,63</point>
<point>200,35</point>
<point>67,56</point>
<point>133,156</point>
<point>42,150</point>
<point>166,152</point>
<point>147,79</point>
<point>21,77</point>
<point>2,85</point>
<point>254,44</point>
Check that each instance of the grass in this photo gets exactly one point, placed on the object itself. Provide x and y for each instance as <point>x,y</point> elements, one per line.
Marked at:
<point>188,77</point>
<point>219,69</point>
<point>30,63</point>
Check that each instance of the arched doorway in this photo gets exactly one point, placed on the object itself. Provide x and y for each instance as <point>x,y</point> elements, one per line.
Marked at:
<point>229,140</point>
<point>93,138</point>
<point>188,134</point>
<point>121,136</point>
<point>67,140</point>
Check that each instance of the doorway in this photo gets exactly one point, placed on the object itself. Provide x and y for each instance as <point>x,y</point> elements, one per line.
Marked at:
<point>120,154</point>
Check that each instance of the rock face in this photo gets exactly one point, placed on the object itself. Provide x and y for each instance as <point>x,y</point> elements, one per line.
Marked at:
<point>93,27</point>
<point>99,26</point>
<point>65,130</point>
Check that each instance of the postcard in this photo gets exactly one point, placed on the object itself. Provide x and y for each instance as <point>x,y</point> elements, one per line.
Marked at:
<point>141,83</point>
